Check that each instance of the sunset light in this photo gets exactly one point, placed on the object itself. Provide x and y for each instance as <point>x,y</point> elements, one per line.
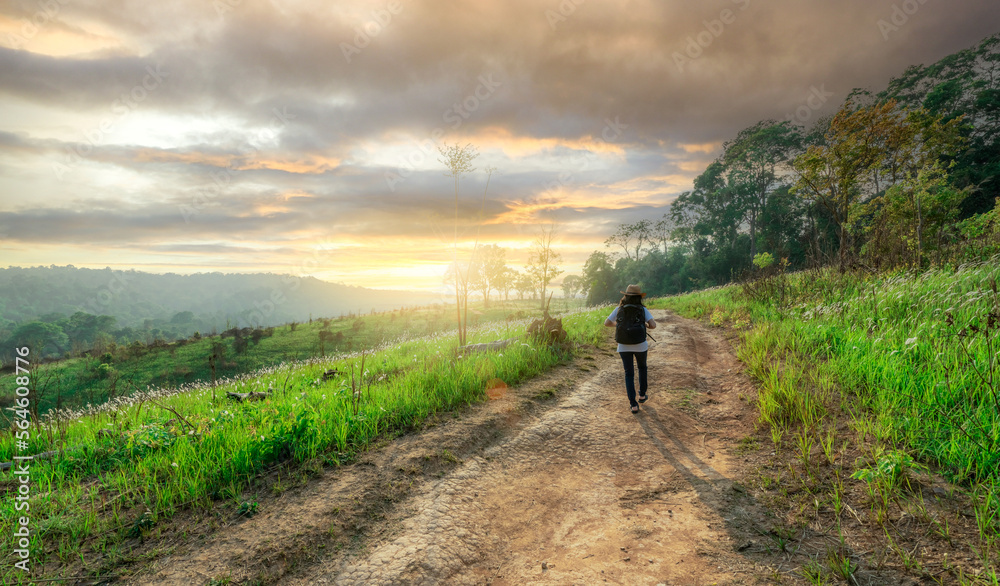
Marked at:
<point>509,292</point>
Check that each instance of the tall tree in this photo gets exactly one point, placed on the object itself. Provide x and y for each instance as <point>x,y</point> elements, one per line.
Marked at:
<point>599,278</point>
<point>662,231</point>
<point>710,209</point>
<point>752,161</point>
<point>833,175</point>
<point>571,285</point>
<point>631,238</point>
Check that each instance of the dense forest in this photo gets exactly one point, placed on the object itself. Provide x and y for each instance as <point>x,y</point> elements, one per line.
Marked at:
<point>65,310</point>
<point>903,178</point>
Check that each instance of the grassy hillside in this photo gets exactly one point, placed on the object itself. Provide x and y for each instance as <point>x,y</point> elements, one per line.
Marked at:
<point>903,369</point>
<point>73,383</point>
<point>126,465</point>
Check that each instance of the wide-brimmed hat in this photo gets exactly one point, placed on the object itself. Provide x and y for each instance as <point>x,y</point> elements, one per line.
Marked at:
<point>633,290</point>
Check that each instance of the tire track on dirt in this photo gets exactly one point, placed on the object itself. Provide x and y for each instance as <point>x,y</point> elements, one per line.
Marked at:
<point>586,493</point>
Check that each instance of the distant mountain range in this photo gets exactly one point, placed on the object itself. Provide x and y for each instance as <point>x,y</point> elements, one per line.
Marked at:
<point>205,300</point>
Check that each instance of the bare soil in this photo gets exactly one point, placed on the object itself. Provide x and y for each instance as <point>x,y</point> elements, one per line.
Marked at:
<point>555,482</point>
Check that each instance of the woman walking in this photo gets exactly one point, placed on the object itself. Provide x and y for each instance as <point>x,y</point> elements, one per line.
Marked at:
<point>630,320</point>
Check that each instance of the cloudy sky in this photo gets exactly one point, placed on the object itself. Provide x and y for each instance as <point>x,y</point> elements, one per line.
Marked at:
<point>301,136</point>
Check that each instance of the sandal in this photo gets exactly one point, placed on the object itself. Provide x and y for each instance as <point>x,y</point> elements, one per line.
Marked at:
<point>642,398</point>
<point>635,408</point>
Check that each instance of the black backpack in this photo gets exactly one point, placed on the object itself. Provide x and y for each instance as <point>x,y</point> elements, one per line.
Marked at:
<point>630,325</point>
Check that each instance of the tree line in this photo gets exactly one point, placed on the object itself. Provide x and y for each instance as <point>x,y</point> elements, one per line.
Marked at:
<point>905,178</point>
<point>490,275</point>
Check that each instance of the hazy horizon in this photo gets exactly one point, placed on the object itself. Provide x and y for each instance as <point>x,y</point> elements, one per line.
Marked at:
<point>197,271</point>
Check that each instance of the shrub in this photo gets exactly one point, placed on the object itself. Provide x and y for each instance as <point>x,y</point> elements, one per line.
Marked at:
<point>105,371</point>
<point>763,260</point>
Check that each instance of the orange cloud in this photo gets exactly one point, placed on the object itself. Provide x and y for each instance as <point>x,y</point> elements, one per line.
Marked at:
<point>530,212</point>
<point>43,33</point>
<point>523,146</point>
<point>281,204</point>
<point>652,190</point>
<point>308,165</point>
<point>707,148</point>
<point>694,167</point>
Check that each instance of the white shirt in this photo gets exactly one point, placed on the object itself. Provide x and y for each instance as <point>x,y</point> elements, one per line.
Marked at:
<point>632,347</point>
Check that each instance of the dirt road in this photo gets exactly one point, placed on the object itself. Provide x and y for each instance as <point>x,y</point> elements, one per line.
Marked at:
<point>555,483</point>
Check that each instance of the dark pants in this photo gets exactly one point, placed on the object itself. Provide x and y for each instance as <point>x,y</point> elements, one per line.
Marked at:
<point>640,361</point>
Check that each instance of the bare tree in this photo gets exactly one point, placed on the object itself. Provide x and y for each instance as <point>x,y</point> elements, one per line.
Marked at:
<point>542,261</point>
<point>458,160</point>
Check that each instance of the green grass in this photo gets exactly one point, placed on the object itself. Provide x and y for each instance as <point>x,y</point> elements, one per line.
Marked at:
<point>129,464</point>
<point>889,340</point>
<point>75,382</point>
<point>912,360</point>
